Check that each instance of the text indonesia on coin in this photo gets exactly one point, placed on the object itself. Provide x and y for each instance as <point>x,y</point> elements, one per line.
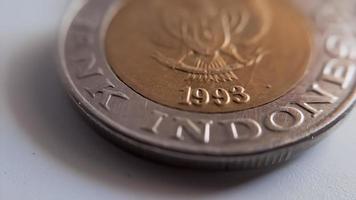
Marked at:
<point>220,84</point>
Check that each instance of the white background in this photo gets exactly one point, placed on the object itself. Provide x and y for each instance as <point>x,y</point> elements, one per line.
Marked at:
<point>47,151</point>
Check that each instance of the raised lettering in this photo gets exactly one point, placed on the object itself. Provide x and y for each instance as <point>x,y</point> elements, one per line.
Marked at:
<point>108,90</point>
<point>274,125</point>
<point>340,72</point>
<point>190,127</point>
<point>323,97</point>
<point>252,125</point>
<point>90,69</point>
<point>160,117</point>
<point>340,47</point>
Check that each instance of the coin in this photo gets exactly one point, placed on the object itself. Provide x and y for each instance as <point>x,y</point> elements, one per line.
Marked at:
<point>228,84</point>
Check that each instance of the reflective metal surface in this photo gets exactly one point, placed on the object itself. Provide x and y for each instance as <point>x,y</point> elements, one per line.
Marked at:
<point>209,56</point>
<point>256,137</point>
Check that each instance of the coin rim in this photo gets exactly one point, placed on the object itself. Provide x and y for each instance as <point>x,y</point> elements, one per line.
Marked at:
<point>121,132</point>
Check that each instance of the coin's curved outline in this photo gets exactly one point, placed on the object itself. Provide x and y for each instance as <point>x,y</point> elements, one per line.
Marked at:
<point>185,152</point>
<point>247,161</point>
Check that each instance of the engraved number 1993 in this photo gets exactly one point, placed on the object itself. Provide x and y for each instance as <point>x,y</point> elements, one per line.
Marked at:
<point>220,97</point>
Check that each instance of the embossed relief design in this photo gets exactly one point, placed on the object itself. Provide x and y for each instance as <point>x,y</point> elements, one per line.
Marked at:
<point>212,44</point>
<point>209,56</point>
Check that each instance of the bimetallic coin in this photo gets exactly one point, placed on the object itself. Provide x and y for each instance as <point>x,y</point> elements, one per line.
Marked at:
<point>226,84</point>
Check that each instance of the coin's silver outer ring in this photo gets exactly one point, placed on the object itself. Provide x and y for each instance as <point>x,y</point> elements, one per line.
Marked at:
<point>175,152</point>
<point>261,160</point>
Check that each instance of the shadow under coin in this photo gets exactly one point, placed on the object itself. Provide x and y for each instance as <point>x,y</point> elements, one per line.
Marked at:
<point>44,112</point>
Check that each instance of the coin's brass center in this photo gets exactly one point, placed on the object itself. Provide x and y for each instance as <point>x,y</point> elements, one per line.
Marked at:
<point>209,56</point>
